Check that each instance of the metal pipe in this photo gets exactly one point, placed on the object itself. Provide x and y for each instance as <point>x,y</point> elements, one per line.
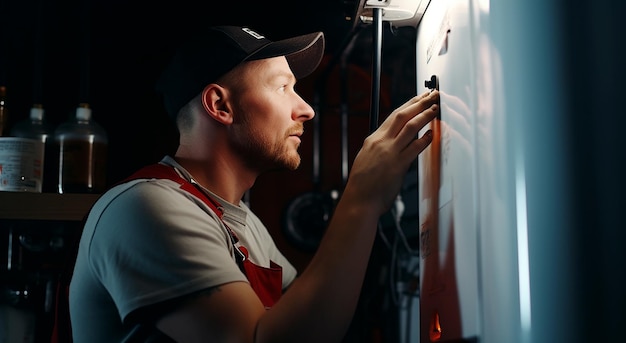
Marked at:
<point>376,67</point>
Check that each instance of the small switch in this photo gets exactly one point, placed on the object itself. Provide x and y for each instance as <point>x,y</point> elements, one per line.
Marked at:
<point>433,83</point>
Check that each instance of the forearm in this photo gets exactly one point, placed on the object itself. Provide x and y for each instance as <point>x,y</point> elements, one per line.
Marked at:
<point>320,304</point>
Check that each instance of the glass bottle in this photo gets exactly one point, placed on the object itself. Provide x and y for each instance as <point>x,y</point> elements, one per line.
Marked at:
<point>83,146</point>
<point>4,113</point>
<point>36,127</point>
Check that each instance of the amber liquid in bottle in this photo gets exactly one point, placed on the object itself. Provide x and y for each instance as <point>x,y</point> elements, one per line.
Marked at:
<point>82,145</point>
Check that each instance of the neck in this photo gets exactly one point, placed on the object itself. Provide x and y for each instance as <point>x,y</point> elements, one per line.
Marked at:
<point>222,177</point>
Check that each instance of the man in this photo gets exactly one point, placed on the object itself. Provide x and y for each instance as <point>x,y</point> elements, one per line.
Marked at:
<point>173,254</point>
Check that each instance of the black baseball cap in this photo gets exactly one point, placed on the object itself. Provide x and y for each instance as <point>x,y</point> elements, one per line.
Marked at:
<point>204,58</point>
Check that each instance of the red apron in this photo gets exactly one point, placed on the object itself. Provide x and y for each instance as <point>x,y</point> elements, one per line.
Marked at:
<point>266,282</point>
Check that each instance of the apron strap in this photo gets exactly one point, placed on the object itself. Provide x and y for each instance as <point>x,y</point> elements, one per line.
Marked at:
<point>162,171</point>
<point>266,282</point>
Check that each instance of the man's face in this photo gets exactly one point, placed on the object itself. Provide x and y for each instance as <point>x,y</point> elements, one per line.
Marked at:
<point>268,116</point>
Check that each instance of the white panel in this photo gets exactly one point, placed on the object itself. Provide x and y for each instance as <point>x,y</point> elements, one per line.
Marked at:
<point>502,242</point>
<point>522,240</point>
<point>449,275</point>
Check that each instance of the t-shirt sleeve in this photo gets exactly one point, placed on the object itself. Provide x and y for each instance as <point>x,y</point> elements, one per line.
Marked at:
<point>155,243</point>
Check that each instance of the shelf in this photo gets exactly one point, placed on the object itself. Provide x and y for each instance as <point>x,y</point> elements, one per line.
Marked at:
<point>45,206</point>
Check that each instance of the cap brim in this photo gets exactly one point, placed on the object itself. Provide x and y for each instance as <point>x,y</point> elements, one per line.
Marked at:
<point>304,53</point>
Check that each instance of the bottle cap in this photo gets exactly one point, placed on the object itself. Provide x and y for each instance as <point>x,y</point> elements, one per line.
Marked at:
<point>83,112</point>
<point>36,112</point>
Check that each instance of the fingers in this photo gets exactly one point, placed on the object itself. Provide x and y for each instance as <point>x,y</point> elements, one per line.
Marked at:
<point>419,144</point>
<point>387,153</point>
<point>416,107</point>
<point>424,117</point>
<point>403,125</point>
<point>422,101</point>
<point>415,100</point>
<point>418,116</point>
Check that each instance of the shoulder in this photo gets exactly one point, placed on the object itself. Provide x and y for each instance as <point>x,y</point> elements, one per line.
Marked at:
<point>148,209</point>
<point>156,197</point>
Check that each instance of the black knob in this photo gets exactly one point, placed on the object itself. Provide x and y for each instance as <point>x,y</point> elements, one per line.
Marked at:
<point>433,83</point>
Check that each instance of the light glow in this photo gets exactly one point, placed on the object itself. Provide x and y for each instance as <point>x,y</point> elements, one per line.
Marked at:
<point>522,248</point>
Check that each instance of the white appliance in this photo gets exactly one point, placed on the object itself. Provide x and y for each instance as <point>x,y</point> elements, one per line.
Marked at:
<point>520,196</point>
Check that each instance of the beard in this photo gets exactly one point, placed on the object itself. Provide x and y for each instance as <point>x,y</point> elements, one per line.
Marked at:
<point>263,151</point>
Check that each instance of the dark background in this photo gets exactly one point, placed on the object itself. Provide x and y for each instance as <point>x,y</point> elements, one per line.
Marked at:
<point>109,54</point>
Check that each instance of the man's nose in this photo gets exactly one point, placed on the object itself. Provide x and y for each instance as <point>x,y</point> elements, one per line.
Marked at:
<point>303,111</point>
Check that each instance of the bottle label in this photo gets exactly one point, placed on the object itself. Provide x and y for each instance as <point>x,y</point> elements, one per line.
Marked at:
<point>21,164</point>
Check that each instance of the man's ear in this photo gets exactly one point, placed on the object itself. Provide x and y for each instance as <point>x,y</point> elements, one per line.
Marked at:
<point>214,101</point>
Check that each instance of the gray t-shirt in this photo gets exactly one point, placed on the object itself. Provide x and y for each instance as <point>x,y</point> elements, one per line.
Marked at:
<point>148,241</point>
